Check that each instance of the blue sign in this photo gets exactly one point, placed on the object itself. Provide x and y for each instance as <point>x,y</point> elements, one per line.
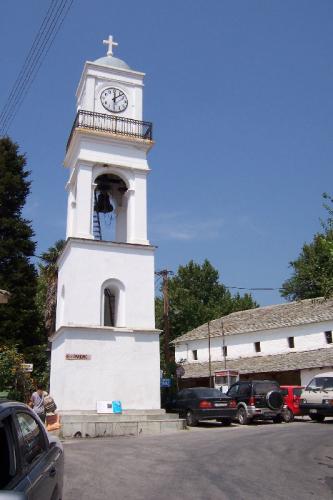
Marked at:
<point>165,382</point>
<point>116,405</point>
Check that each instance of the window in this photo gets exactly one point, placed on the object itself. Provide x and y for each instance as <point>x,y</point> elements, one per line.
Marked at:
<point>233,391</point>
<point>33,438</point>
<point>225,351</point>
<point>291,342</point>
<point>328,336</point>
<point>244,390</point>
<point>257,347</point>
<point>109,308</point>
<point>195,354</point>
<point>7,454</point>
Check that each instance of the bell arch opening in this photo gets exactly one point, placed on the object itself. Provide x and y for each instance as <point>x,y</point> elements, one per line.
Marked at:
<point>113,303</point>
<point>110,208</point>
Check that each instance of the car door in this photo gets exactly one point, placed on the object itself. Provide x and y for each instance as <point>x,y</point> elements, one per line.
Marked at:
<point>38,459</point>
<point>233,392</point>
<point>12,475</point>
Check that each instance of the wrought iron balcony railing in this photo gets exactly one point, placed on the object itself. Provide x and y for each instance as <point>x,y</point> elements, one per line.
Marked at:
<point>113,124</point>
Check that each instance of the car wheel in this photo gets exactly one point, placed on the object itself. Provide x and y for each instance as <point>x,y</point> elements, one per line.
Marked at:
<point>318,418</point>
<point>190,420</point>
<point>278,419</point>
<point>242,417</point>
<point>288,416</point>
<point>226,421</point>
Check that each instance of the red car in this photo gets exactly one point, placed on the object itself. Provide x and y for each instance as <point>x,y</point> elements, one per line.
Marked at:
<point>291,394</point>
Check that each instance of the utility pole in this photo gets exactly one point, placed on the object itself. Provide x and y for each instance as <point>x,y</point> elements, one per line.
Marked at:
<point>164,273</point>
<point>209,357</point>
<point>223,346</point>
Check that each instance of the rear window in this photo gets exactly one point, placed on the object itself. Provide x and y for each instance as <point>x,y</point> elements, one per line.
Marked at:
<point>207,393</point>
<point>284,392</point>
<point>265,387</point>
<point>297,391</point>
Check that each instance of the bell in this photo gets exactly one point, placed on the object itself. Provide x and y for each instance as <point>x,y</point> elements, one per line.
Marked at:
<point>103,204</point>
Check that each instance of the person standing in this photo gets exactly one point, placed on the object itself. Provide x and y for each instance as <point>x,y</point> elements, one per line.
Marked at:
<point>37,402</point>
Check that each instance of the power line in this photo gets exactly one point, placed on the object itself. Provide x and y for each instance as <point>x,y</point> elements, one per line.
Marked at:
<point>44,40</point>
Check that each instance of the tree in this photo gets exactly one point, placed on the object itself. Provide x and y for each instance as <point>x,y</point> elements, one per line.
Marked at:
<point>47,285</point>
<point>313,269</point>
<point>19,318</point>
<point>15,383</point>
<point>196,296</point>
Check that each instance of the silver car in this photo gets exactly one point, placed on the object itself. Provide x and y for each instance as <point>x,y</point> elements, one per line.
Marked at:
<point>32,461</point>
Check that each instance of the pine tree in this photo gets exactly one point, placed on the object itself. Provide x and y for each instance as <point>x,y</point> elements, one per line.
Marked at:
<point>18,318</point>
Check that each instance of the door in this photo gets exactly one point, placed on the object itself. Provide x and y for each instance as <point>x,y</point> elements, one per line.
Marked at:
<point>37,457</point>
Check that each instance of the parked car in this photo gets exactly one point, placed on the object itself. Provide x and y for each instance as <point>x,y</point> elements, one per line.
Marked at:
<point>203,403</point>
<point>317,397</point>
<point>32,462</point>
<point>257,400</point>
<point>291,395</point>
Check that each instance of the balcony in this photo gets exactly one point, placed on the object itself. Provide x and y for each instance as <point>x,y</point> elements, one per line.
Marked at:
<point>112,124</point>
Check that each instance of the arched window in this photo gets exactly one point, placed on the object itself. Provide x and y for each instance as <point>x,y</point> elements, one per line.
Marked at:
<point>109,307</point>
<point>113,303</point>
<point>110,207</point>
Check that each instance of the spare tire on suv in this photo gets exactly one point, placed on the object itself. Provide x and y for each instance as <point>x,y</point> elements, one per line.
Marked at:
<point>274,400</point>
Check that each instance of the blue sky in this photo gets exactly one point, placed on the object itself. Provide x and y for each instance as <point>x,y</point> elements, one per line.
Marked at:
<point>240,95</point>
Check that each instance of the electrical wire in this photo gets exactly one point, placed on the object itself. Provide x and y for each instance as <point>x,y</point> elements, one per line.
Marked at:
<point>44,40</point>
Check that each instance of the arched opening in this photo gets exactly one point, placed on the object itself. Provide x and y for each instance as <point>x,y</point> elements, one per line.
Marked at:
<point>110,207</point>
<point>113,306</point>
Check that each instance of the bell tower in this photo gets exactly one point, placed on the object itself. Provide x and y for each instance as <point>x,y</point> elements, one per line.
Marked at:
<point>106,346</point>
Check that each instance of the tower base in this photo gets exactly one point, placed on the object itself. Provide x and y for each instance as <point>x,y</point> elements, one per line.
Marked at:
<point>91,364</point>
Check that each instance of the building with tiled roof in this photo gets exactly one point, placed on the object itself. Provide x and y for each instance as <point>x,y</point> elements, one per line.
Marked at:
<point>289,342</point>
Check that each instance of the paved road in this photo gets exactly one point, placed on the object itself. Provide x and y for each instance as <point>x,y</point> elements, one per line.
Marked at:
<point>263,461</point>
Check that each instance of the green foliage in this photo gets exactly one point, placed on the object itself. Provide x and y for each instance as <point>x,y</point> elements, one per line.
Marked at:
<point>47,285</point>
<point>196,296</point>
<point>313,269</point>
<point>14,382</point>
<point>19,318</point>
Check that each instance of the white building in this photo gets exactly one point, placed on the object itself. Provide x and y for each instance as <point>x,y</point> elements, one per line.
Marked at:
<point>106,346</point>
<point>287,342</point>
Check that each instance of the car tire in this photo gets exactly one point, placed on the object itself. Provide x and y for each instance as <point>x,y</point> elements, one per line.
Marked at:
<point>278,419</point>
<point>288,416</point>
<point>317,418</point>
<point>191,421</point>
<point>242,417</point>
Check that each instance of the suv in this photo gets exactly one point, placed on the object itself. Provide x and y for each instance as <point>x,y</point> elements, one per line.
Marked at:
<point>317,397</point>
<point>257,400</point>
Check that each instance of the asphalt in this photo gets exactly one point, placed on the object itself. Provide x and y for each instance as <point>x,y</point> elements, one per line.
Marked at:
<point>260,461</point>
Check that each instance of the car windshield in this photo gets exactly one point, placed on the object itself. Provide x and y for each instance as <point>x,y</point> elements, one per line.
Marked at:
<point>320,383</point>
<point>297,391</point>
<point>207,393</point>
<point>265,387</point>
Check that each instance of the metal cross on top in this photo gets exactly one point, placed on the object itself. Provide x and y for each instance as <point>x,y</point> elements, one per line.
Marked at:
<point>111,44</point>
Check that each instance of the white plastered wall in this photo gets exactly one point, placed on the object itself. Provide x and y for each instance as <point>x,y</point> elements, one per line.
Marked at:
<point>84,268</point>
<point>275,341</point>
<point>123,366</point>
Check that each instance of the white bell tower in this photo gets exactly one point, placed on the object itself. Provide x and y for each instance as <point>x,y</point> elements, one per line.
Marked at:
<point>106,346</point>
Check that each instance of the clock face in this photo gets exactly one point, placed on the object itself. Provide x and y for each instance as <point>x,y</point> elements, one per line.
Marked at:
<point>114,100</point>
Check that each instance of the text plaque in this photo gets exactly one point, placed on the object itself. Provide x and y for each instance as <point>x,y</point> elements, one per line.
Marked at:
<point>78,357</point>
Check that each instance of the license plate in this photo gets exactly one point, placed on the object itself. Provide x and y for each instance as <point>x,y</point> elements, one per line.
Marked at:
<point>313,411</point>
<point>221,404</point>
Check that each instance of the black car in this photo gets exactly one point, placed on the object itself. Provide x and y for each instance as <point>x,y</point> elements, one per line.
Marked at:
<point>32,462</point>
<point>203,403</point>
<point>257,400</point>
